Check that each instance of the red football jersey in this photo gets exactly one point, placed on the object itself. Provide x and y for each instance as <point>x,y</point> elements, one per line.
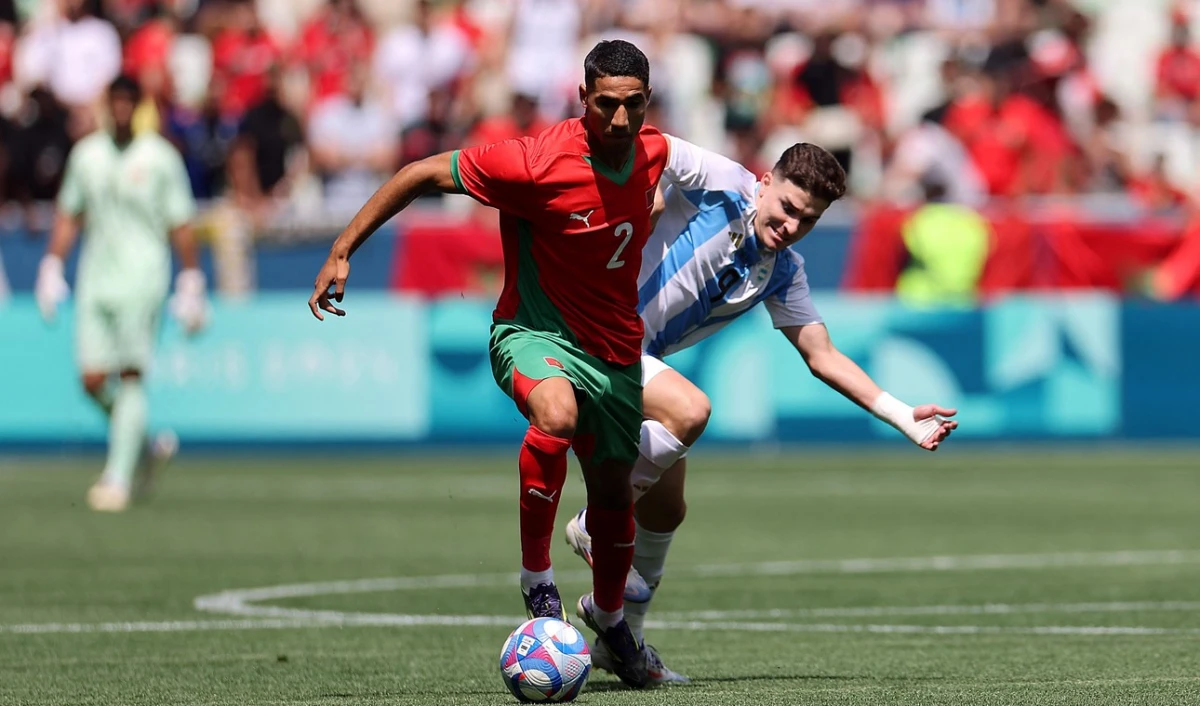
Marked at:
<point>573,231</point>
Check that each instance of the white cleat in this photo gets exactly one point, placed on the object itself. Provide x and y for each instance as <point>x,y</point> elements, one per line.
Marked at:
<point>579,540</point>
<point>636,588</point>
<point>103,497</point>
<point>658,673</point>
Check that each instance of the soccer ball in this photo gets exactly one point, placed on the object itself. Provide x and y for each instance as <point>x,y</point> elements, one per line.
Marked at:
<point>545,660</point>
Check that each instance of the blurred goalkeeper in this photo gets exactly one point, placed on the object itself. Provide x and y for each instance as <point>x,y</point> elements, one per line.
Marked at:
<point>130,194</point>
<point>721,246</point>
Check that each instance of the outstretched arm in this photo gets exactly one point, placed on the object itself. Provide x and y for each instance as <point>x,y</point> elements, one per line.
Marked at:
<point>414,180</point>
<point>923,425</point>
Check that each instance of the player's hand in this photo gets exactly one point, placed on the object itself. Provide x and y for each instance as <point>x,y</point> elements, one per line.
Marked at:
<point>333,274</point>
<point>189,304</point>
<point>51,288</point>
<point>933,420</point>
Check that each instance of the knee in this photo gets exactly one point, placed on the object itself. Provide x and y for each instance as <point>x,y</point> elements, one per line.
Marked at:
<point>555,417</point>
<point>93,383</point>
<point>691,417</point>
<point>674,516</point>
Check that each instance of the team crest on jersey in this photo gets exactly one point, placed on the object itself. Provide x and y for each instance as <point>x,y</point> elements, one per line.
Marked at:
<point>554,363</point>
<point>737,237</point>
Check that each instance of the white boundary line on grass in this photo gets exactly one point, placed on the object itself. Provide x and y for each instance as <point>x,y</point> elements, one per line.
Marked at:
<point>332,619</point>
<point>243,602</point>
<point>951,609</point>
<point>239,601</point>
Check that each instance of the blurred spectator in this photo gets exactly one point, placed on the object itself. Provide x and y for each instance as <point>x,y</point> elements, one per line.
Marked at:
<point>37,148</point>
<point>521,120</point>
<point>833,97</point>
<point>1177,85</point>
<point>931,153</point>
<point>352,142</point>
<point>542,47</point>
<point>1106,167</point>
<point>243,57</point>
<point>147,55</point>
<point>8,37</point>
<point>76,55</point>
<point>335,41</point>
<point>947,246</point>
<point>436,133</point>
<point>414,59</point>
<point>267,151</point>
<point>204,135</point>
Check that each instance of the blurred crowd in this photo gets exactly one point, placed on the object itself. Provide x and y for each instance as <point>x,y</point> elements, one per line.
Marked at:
<point>303,102</point>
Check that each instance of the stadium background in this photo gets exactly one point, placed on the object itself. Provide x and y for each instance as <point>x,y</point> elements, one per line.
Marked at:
<point>1069,127</point>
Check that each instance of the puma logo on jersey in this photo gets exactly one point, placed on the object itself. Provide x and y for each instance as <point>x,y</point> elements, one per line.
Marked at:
<point>538,494</point>
<point>586,218</point>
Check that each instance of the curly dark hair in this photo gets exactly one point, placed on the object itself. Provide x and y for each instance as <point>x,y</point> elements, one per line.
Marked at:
<point>813,169</point>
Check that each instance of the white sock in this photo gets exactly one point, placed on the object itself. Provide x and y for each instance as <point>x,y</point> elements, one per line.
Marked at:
<point>605,619</point>
<point>530,579</point>
<point>657,451</point>
<point>650,559</point>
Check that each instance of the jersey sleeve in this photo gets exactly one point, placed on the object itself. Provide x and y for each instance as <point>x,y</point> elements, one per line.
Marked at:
<point>71,198</point>
<point>495,175</point>
<point>792,305</point>
<point>693,168</point>
<point>179,206</point>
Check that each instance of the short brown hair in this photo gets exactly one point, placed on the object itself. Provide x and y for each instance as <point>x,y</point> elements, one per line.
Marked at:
<point>812,169</point>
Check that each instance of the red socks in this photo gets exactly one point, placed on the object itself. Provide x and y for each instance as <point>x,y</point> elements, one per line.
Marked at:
<point>543,465</point>
<point>612,554</point>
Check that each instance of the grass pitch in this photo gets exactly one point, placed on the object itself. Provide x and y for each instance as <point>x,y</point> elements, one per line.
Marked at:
<point>963,577</point>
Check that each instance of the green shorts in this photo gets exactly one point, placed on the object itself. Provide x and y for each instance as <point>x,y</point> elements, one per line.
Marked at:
<point>610,407</point>
<point>111,336</point>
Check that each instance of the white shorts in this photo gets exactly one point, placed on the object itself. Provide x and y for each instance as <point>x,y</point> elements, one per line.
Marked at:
<point>651,367</point>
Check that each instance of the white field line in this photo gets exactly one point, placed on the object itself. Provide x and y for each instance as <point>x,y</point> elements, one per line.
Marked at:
<point>952,609</point>
<point>330,619</point>
<point>242,602</point>
<point>978,562</point>
<point>237,601</point>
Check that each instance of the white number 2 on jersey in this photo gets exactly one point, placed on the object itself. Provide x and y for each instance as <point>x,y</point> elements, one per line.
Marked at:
<point>625,229</point>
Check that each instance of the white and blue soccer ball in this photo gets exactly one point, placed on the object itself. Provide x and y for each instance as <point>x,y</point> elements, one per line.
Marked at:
<point>545,660</point>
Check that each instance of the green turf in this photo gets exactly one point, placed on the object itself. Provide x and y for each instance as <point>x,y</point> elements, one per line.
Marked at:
<point>825,633</point>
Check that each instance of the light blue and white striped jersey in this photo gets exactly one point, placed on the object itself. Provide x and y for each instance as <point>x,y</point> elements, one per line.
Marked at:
<point>702,266</point>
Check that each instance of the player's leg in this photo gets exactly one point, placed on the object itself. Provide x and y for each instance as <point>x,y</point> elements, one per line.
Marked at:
<point>97,351</point>
<point>552,413</point>
<point>657,482</point>
<point>134,324</point>
<point>527,367</point>
<point>606,445</point>
<point>676,414</point>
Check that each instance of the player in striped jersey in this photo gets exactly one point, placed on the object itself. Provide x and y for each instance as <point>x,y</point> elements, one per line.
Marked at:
<point>720,247</point>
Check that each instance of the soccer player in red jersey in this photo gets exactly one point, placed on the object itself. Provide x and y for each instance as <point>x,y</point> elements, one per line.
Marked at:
<point>575,204</point>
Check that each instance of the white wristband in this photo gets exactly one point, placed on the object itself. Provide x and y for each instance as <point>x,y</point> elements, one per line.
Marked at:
<point>900,416</point>
<point>892,410</point>
<point>190,282</point>
<point>51,266</point>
